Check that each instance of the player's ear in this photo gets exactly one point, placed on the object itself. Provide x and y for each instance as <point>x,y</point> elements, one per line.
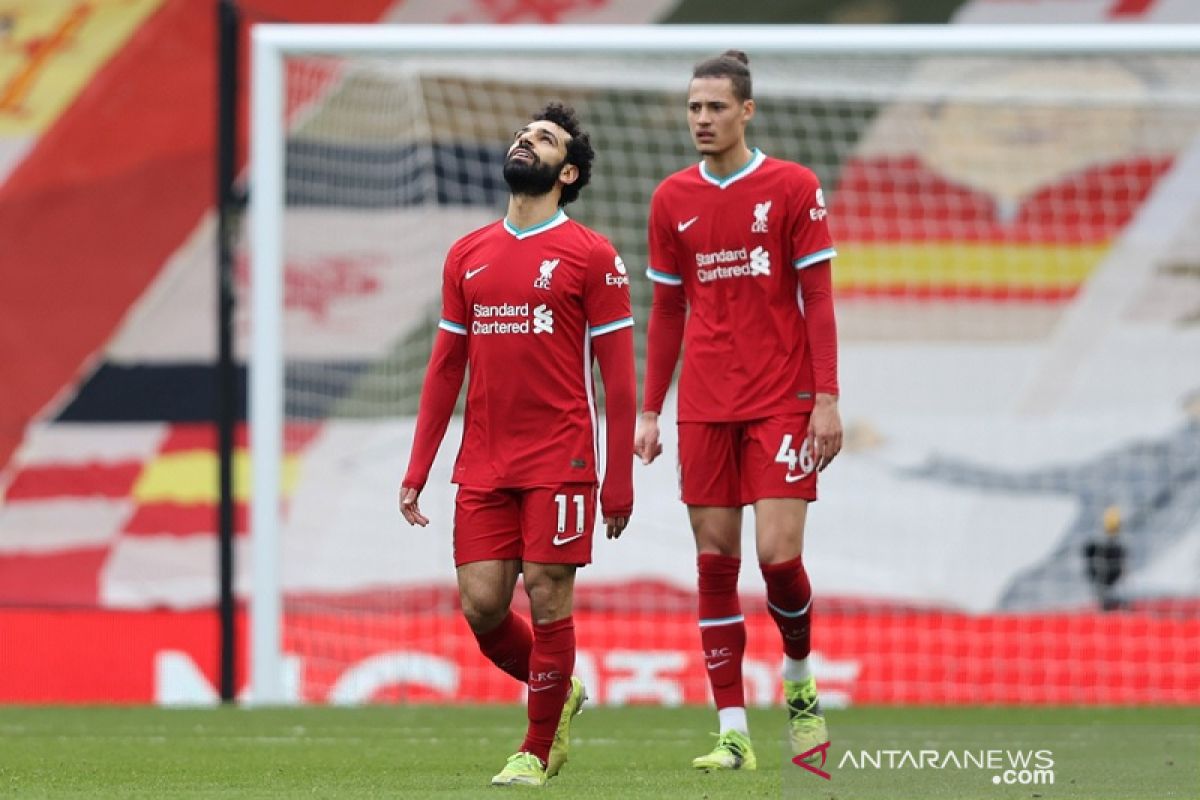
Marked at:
<point>568,174</point>
<point>748,108</point>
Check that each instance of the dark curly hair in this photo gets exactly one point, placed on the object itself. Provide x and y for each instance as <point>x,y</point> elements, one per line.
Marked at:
<point>579,148</point>
<point>732,64</point>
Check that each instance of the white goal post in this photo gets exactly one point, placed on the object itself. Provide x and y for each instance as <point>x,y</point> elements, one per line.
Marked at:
<point>273,44</point>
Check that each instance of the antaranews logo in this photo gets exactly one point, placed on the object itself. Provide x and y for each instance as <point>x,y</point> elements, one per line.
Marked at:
<point>811,755</point>
<point>1006,767</point>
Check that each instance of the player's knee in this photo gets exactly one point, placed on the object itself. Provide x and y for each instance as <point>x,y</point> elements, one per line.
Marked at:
<point>549,597</point>
<point>777,549</point>
<point>541,593</point>
<point>728,549</point>
<point>718,541</point>
<point>718,533</point>
<point>483,610</point>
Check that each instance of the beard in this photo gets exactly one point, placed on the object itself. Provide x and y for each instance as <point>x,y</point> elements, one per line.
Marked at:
<point>532,178</point>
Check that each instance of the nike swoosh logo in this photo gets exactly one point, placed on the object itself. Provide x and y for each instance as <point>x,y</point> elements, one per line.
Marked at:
<point>683,226</point>
<point>471,273</point>
<point>560,542</point>
<point>718,664</point>
<point>793,478</point>
<point>542,688</point>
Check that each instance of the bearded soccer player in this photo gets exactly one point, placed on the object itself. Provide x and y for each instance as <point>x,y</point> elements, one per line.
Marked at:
<point>526,303</point>
<point>740,258</point>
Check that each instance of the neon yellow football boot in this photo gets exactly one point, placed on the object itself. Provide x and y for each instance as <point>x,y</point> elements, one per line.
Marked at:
<point>806,723</point>
<point>562,736</point>
<point>522,769</point>
<point>733,751</point>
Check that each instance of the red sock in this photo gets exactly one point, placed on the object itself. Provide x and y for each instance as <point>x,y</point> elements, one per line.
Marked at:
<point>722,627</point>
<point>550,666</point>
<point>789,600</point>
<point>508,645</point>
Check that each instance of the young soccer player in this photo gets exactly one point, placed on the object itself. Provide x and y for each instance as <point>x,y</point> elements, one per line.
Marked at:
<point>526,303</point>
<point>740,257</point>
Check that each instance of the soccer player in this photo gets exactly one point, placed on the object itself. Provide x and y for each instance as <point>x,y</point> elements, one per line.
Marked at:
<point>526,303</point>
<point>740,257</point>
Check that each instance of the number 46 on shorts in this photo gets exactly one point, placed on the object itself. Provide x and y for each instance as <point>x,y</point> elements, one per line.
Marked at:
<point>796,459</point>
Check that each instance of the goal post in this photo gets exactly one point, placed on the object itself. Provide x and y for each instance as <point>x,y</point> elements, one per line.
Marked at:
<point>960,257</point>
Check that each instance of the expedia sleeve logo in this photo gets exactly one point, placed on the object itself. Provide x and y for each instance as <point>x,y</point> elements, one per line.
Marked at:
<point>622,276</point>
<point>819,212</point>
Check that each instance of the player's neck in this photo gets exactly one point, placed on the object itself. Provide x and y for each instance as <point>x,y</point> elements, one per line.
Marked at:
<point>525,211</point>
<point>723,164</point>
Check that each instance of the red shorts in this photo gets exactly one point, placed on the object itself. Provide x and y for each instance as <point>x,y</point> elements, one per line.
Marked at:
<point>543,524</point>
<point>732,464</point>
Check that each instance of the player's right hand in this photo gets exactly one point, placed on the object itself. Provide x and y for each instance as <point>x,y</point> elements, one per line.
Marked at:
<point>645,441</point>
<point>409,508</point>
<point>615,526</point>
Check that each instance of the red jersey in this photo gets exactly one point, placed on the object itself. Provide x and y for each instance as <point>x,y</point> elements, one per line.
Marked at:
<point>736,245</point>
<point>530,302</point>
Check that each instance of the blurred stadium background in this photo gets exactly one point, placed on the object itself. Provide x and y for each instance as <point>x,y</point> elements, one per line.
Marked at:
<point>1019,287</point>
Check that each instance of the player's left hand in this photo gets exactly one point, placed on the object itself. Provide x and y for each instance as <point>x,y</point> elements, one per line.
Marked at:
<point>615,526</point>
<point>825,431</point>
<point>409,508</point>
<point>645,440</point>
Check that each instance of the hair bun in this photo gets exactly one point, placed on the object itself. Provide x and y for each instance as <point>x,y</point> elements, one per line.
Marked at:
<point>737,55</point>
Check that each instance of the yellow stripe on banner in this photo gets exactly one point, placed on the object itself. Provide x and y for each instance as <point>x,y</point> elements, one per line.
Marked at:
<point>946,267</point>
<point>190,476</point>
<point>50,49</point>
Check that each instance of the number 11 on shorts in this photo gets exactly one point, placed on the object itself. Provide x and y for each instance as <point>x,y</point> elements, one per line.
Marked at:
<point>561,501</point>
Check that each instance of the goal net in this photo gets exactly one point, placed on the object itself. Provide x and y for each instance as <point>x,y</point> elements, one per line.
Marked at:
<point>1018,295</point>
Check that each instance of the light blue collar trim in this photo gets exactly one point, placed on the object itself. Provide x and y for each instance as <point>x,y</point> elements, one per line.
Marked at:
<point>533,230</point>
<point>756,160</point>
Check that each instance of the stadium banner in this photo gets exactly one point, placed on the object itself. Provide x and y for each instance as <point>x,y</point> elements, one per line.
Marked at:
<point>625,657</point>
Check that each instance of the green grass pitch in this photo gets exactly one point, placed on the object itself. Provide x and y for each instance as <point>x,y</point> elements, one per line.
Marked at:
<point>636,752</point>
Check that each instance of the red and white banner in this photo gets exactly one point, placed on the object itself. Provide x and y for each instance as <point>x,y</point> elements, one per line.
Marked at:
<point>625,657</point>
